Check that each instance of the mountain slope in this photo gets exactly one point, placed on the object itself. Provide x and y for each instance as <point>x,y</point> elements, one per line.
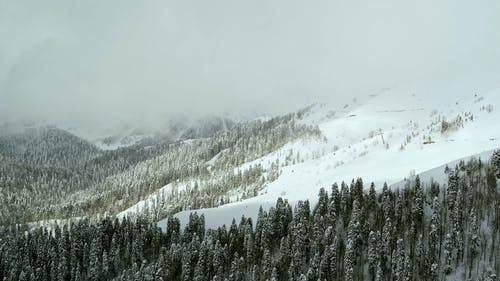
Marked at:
<point>47,146</point>
<point>384,138</point>
<point>79,183</point>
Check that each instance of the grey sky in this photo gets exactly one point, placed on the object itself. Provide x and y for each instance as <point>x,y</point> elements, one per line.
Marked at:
<point>105,61</point>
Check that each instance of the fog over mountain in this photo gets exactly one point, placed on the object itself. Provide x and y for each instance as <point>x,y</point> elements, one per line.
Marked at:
<point>98,63</point>
<point>283,140</point>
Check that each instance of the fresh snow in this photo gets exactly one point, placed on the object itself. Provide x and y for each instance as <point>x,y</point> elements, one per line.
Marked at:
<point>383,138</point>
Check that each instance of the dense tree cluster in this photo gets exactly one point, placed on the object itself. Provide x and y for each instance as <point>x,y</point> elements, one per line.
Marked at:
<point>44,172</point>
<point>48,173</point>
<point>420,232</point>
<point>215,192</point>
<point>47,147</point>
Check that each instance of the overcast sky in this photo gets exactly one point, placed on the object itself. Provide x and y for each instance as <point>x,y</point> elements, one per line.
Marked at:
<point>98,61</point>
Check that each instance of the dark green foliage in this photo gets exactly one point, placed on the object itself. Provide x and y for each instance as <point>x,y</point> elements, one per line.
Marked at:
<point>411,234</point>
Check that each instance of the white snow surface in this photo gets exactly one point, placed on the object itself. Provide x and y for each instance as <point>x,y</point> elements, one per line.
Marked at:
<point>369,139</point>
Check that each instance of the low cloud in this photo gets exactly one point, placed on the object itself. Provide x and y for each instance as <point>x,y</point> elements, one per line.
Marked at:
<point>105,62</point>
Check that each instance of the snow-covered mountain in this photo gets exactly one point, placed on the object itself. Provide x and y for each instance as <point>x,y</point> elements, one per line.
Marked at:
<point>50,176</point>
<point>383,137</point>
<point>174,128</point>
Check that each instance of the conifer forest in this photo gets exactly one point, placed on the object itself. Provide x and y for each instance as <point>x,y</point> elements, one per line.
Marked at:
<point>420,232</point>
<point>249,140</point>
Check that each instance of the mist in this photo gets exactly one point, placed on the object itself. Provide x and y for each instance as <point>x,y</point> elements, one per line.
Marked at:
<point>98,63</point>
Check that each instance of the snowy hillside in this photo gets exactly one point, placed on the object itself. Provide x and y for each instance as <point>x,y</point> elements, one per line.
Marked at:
<point>386,137</point>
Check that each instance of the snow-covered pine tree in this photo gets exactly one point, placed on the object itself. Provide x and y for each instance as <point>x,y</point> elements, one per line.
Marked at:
<point>418,205</point>
<point>495,162</point>
<point>473,240</point>
<point>94,271</point>
<point>352,243</point>
<point>373,253</point>
<point>387,248</point>
<point>448,254</point>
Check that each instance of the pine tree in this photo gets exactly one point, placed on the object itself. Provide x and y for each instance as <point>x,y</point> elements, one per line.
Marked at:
<point>373,212</point>
<point>435,233</point>
<point>326,268</point>
<point>248,245</point>
<point>345,202</point>
<point>398,262</point>
<point>106,272</point>
<point>418,205</point>
<point>386,253</point>
<point>352,244</point>
<point>335,198</point>
<point>457,226</point>
<point>407,272</point>
<point>373,253</point>
<point>448,254</point>
<point>234,269</point>
<point>420,254</point>
<point>451,191</point>
<point>114,255</point>
<point>473,238</point>
<point>495,162</point>
<point>64,257</point>
<point>301,245</point>
<point>219,260</point>
<point>267,264</point>
<point>321,207</point>
<point>94,259</point>
<point>349,260</point>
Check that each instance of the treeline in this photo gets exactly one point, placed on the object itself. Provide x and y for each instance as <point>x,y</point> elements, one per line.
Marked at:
<point>419,232</point>
<point>40,167</point>
<point>208,192</point>
<point>47,173</point>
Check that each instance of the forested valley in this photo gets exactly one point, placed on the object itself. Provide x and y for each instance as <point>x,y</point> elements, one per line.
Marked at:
<point>420,232</point>
<point>47,173</point>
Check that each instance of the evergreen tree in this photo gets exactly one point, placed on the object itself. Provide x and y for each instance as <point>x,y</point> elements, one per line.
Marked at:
<point>448,254</point>
<point>386,253</point>
<point>352,244</point>
<point>473,242</point>
<point>398,263</point>
<point>418,204</point>
<point>321,207</point>
<point>458,243</point>
<point>94,272</point>
<point>373,254</point>
<point>495,163</point>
